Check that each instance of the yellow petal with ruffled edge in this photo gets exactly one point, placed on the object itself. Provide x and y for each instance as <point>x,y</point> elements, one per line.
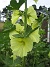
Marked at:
<point>31,15</point>
<point>32,12</point>
<point>15,16</point>
<point>35,36</point>
<point>20,46</point>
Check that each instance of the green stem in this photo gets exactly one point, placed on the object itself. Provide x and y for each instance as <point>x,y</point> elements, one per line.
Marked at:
<point>23,62</point>
<point>25,16</point>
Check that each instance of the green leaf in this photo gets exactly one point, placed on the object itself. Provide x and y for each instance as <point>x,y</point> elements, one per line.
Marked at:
<point>18,35</point>
<point>8,26</point>
<point>29,31</point>
<point>14,5</point>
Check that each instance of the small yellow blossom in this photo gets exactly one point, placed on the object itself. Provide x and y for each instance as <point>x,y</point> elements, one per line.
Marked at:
<point>19,28</point>
<point>34,24</point>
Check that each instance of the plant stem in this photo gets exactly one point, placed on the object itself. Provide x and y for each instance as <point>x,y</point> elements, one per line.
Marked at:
<point>25,16</point>
<point>23,62</point>
<point>25,27</point>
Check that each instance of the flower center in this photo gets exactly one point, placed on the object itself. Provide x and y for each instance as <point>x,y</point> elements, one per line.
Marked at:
<point>22,42</point>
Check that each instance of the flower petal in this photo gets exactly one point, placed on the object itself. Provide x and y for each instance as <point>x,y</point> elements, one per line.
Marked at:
<point>15,16</point>
<point>35,36</point>
<point>31,15</point>
<point>32,12</point>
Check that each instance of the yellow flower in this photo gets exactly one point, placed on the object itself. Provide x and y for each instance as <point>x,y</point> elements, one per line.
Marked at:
<point>20,46</point>
<point>34,24</point>
<point>19,28</point>
<point>15,16</point>
<point>31,15</point>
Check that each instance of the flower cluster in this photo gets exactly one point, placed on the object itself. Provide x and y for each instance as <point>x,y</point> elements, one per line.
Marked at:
<point>21,45</point>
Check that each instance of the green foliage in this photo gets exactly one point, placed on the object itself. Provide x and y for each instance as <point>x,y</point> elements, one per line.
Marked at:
<point>14,5</point>
<point>39,55</point>
<point>8,26</point>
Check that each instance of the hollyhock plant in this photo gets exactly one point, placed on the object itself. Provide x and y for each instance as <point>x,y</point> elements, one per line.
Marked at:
<point>25,34</point>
